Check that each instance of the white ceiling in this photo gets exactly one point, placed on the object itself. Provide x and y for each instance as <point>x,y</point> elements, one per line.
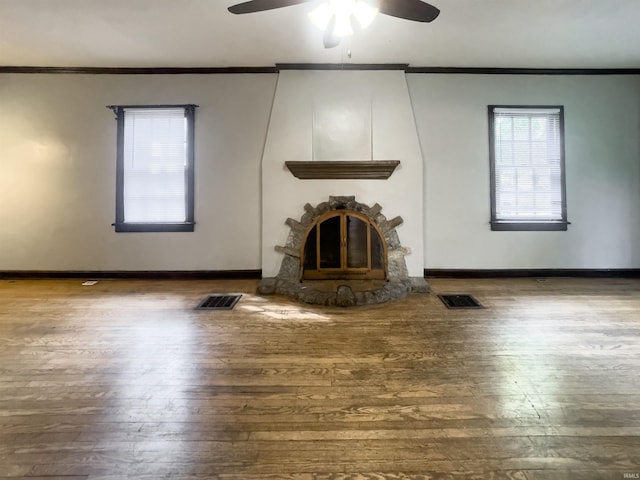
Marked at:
<point>201,33</point>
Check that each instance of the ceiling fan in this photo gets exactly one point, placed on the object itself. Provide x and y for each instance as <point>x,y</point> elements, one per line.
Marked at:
<point>339,18</point>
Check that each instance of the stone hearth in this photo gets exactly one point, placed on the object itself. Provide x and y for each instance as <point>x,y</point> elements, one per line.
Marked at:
<point>343,292</point>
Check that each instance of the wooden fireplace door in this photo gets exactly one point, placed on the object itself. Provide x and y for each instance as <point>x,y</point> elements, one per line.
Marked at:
<point>344,245</point>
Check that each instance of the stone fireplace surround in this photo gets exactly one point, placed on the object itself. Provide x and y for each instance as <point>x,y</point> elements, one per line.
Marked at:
<point>289,281</point>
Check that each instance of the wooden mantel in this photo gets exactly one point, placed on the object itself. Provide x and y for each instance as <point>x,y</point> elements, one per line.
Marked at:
<point>342,169</point>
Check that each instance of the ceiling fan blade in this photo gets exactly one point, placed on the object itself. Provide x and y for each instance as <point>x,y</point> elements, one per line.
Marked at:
<point>261,5</point>
<point>415,10</point>
<point>330,39</point>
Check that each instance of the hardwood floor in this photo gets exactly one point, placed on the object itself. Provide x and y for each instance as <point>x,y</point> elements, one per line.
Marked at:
<point>124,379</point>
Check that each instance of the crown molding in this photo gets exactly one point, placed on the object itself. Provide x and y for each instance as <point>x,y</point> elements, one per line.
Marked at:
<point>523,71</point>
<point>141,70</point>
<point>342,66</point>
<point>314,66</point>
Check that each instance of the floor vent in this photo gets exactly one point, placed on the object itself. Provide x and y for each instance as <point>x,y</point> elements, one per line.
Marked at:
<point>219,302</point>
<point>459,301</point>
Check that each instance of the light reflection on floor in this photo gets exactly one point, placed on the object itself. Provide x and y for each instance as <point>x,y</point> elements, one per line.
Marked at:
<point>284,312</point>
<point>541,327</point>
<point>160,363</point>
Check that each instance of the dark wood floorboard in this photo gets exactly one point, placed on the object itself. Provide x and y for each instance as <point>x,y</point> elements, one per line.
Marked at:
<point>125,380</point>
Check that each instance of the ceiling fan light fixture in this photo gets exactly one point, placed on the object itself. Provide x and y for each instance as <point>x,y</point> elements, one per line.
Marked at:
<point>365,14</point>
<point>343,25</point>
<point>321,16</point>
<point>343,11</point>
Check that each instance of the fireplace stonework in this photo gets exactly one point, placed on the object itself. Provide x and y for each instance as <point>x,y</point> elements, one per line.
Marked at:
<point>289,279</point>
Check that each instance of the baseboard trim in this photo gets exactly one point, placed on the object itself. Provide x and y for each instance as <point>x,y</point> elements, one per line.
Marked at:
<point>257,274</point>
<point>132,274</point>
<point>534,273</point>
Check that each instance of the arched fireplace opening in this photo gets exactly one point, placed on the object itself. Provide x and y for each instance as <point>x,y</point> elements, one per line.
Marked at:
<point>352,246</point>
<point>344,244</point>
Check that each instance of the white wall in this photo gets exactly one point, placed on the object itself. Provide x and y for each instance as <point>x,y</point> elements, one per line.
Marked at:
<point>57,172</point>
<point>602,128</point>
<point>290,139</point>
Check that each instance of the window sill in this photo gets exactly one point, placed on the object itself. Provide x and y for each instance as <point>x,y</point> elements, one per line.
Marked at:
<point>155,227</point>
<point>528,226</point>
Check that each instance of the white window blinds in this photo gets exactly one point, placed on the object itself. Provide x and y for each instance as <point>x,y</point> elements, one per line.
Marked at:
<point>527,161</point>
<point>155,163</point>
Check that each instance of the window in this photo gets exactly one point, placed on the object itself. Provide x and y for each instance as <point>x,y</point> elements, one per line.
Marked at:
<point>154,175</point>
<point>527,168</point>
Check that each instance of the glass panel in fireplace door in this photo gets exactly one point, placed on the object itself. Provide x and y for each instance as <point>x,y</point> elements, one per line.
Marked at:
<point>311,250</point>
<point>357,251</point>
<point>330,243</point>
<point>377,250</point>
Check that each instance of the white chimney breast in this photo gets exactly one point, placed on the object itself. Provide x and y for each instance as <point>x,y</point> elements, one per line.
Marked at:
<point>380,98</point>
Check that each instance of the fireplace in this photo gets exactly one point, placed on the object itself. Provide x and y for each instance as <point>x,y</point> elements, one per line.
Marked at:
<point>349,242</point>
<point>343,244</point>
<point>340,146</point>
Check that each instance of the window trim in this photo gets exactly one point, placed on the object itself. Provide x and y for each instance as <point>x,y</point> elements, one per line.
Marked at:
<point>503,225</point>
<point>189,224</point>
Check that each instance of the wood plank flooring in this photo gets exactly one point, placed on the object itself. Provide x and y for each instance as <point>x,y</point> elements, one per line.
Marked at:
<point>124,380</point>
